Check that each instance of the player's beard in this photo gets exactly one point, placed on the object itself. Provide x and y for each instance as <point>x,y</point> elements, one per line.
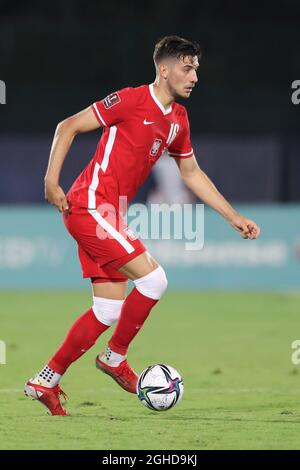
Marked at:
<point>175,94</point>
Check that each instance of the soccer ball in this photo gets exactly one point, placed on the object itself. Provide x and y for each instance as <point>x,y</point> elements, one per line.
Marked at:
<point>160,387</point>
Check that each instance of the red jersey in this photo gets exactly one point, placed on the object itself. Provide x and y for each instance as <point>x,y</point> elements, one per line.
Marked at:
<point>136,131</point>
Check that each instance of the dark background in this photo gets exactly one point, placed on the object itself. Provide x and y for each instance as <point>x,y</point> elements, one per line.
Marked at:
<point>58,57</point>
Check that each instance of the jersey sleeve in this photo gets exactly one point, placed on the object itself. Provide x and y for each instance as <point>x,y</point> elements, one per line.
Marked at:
<point>181,146</point>
<point>115,108</point>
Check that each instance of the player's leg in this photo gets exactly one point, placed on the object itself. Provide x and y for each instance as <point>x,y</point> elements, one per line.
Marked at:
<point>109,293</point>
<point>88,327</point>
<point>107,303</point>
<point>150,283</point>
<point>109,289</point>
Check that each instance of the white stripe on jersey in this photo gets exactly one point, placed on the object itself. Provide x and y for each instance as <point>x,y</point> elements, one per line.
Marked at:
<point>108,147</point>
<point>181,154</point>
<point>92,194</point>
<point>99,115</point>
<point>104,164</point>
<point>93,186</point>
<point>112,231</point>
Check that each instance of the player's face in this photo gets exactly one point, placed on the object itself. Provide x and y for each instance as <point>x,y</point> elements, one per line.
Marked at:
<point>182,76</point>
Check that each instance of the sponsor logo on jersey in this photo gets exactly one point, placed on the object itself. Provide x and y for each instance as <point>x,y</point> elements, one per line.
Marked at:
<point>111,100</point>
<point>155,147</point>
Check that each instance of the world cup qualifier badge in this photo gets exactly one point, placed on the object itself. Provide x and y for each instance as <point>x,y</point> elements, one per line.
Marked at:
<point>111,100</point>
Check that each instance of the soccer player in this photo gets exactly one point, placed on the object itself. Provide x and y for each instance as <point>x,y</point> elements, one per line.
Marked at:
<point>139,124</point>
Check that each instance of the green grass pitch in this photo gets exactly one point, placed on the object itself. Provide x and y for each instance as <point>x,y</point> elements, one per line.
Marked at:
<point>232,349</point>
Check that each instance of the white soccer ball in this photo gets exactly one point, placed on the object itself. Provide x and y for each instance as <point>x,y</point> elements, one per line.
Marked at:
<point>160,387</point>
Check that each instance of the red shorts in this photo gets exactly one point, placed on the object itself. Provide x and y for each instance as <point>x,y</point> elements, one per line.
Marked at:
<point>104,243</point>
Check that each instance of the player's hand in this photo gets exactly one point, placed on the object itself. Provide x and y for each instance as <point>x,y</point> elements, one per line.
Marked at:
<point>246,227</point>
<point>55,195</point>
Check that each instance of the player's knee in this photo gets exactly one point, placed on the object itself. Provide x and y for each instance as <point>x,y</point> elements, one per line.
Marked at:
<point>154,284</point>
<point>107,311</point>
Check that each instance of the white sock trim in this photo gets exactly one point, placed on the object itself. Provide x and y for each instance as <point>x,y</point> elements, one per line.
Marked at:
<point>107,311</point>
<point>153,284</point>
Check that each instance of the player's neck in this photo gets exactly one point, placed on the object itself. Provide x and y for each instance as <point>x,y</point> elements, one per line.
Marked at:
<point>162,94</point>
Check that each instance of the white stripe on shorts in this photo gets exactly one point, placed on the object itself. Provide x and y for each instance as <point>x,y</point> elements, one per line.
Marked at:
<point>112,231</point>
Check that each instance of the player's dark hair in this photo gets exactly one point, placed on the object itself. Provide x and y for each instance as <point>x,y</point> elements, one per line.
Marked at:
<point>176,47</point>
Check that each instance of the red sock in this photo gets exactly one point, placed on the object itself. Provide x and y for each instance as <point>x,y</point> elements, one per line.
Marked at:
<point>81,337</point>
<point>135,310</point>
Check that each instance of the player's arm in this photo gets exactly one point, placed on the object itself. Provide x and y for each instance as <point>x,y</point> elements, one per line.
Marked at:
<point>199,183</point>
<point>84,121</point>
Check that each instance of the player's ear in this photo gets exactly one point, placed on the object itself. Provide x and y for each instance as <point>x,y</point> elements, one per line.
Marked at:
<point>163,69</point>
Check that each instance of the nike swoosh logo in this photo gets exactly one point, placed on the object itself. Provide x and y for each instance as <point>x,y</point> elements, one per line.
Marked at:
<point>147,122</point>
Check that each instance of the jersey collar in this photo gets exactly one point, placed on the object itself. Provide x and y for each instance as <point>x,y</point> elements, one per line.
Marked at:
<point>161,107</point>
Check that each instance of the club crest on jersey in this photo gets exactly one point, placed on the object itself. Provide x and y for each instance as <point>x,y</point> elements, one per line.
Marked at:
<point>130,234</point>
<point>111,100</point>
<point>155,147</point>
